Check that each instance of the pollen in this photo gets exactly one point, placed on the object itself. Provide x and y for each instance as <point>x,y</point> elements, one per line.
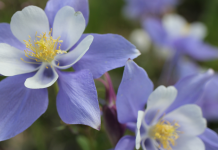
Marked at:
<point>43,49</point>
<point>165,133</point>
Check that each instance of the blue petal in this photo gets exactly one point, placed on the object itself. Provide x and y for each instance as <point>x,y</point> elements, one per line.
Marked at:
<point>191,89</point>
<point>77,100</point>
<point>186,67</point>
<point>143,8</point>
<point>196,48</point>
<point>133,92</point>
<point>53,6</point>
<point>6,36</point>
<point>126,143</point>
<point>156,31</point>
<point>107,52</point>
<point>209,102</point>
<point>149,144</point>
<point>20,107</point>
<point>210,139</point>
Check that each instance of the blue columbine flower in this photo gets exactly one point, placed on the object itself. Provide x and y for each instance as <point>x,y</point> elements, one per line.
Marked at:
<point>33,49</point>
<point>171,121</point>
<point>179,38</point>
<point>141,9</point>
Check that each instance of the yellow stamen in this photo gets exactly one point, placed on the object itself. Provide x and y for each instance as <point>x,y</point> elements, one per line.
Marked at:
<point>165,133</point>
<point>43,48</point>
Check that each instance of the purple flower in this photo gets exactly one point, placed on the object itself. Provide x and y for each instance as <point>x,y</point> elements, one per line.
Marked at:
<point>33,55</point>
<point>175,34</point>
<point>171,120</point>
<point>140,9</point>
<point>179,38</point>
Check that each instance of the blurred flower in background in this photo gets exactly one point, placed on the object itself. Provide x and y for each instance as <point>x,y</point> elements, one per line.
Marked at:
<point>141,9</point>
<point>141,40</point>
<point>181,39</point>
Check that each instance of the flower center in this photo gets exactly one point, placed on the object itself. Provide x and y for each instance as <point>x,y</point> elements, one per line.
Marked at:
<point>165,133</point>
<point>43,48</point>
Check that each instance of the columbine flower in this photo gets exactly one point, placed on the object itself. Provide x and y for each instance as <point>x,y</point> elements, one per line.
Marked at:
<point>169,131</point>
<point>171,121</point>
<point>46,50</point>
<point>179,38</point>
<point>33,49</point>
<point>140,9</point>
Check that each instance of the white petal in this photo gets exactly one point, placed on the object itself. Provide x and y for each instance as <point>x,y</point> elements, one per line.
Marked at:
<point>45,77</point>
<point>139,123</point>
<point>11,63</point>
<point>198,30</point>
<point>190,119</point>
<point>189,143</point>
<point>67,60</point>
<point>159,100</point>
<point>174,24</point>
<point>27,22</point>
<point>69,25</point>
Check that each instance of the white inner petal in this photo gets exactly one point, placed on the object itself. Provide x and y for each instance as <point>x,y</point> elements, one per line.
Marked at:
<point>139,122</point>
<point>190,119</point>
<point>11,63</point>
<point>69,25</point>
<point>27,22</point>
<point>45,77</point>
<point>69,59</point>
<point>159,100</point>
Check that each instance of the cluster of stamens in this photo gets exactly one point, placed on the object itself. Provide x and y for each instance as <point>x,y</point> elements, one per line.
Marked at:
<point>43,48</point>
<point>165,133</point>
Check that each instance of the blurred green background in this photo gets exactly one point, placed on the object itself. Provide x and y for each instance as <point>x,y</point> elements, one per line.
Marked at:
<point>48,132</point>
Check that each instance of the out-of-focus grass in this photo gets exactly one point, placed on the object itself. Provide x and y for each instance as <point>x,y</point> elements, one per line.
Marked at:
<point>48,132</point>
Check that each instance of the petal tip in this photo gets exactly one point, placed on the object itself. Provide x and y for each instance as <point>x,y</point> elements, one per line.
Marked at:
<point>98,128</point>
<point>138,52</point>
